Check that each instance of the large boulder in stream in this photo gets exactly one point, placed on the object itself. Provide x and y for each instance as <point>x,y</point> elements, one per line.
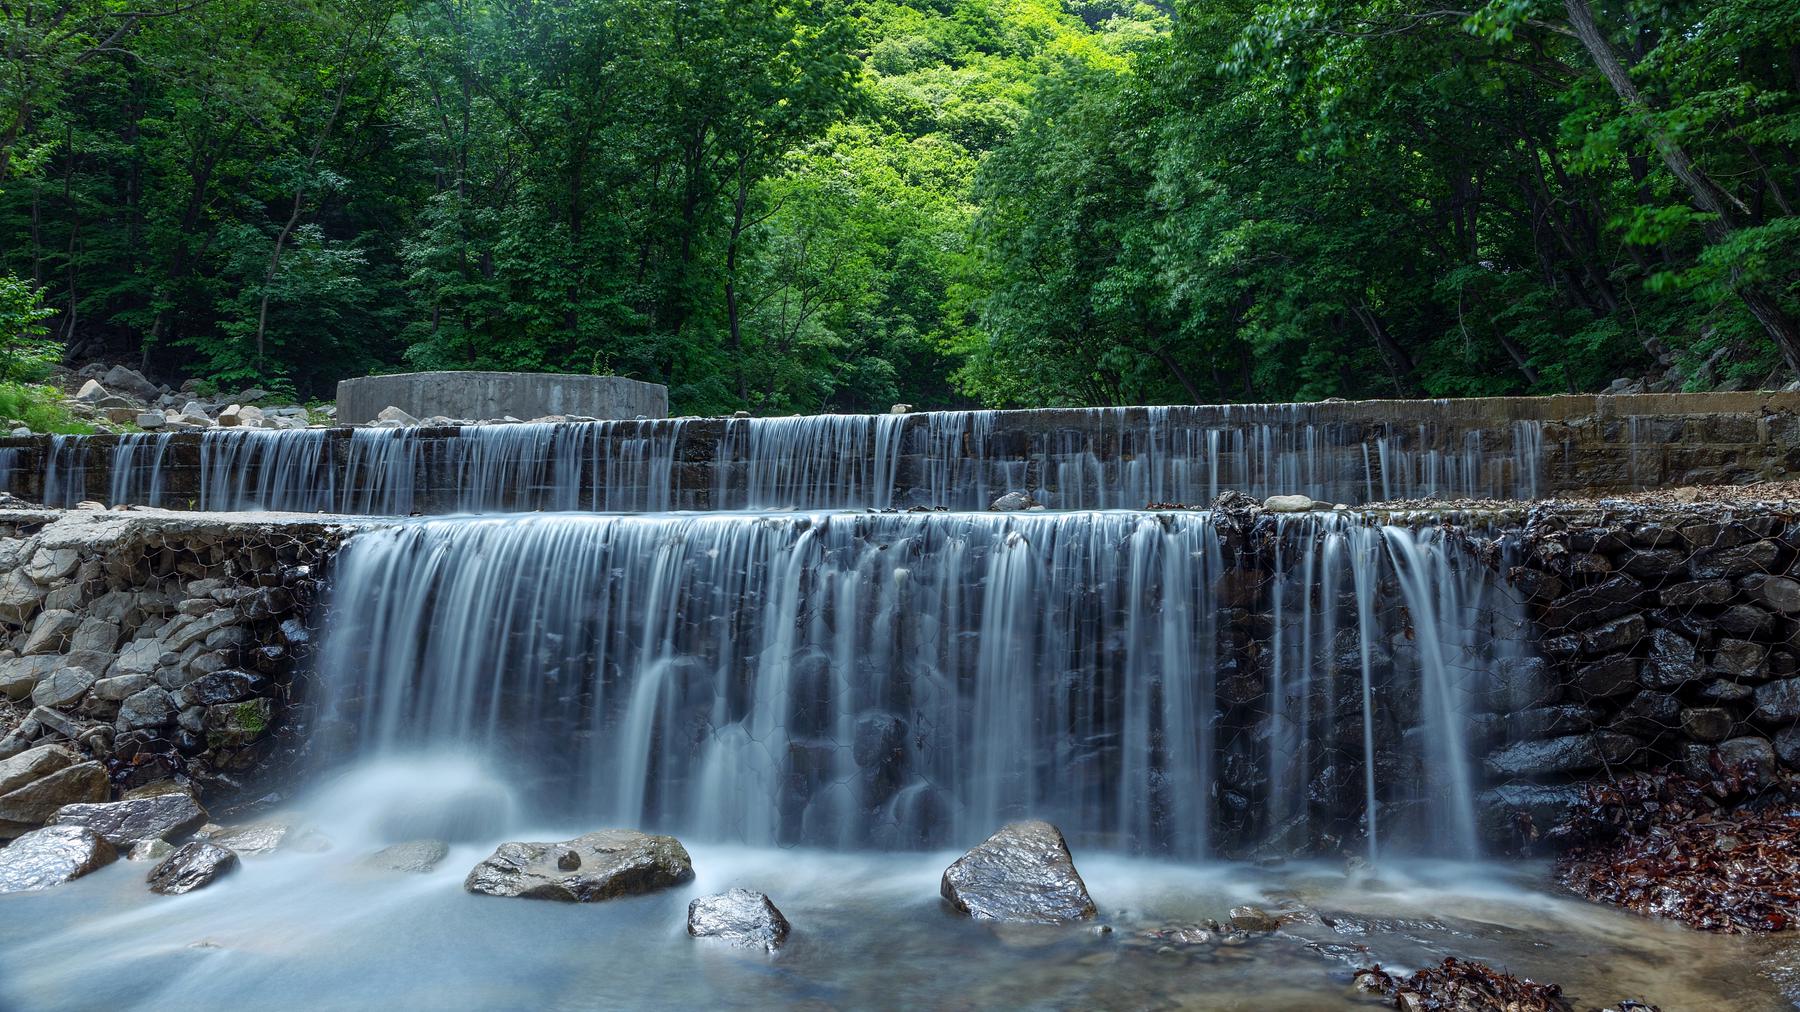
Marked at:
<point>192,865</point>
<point>51,856</point>
<point>1022,874</point>
<point>168,816</point>
<point>740,917</point>
<point>597,866</point>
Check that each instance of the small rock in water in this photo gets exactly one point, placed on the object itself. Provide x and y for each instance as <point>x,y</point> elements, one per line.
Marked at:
<point>51,856</point>
<point>612,863</point>
<point>740,917</point>
<point>150,850</point>
<point>1252,919</point>
<point>1013,502</point>
<point>1023,874</point>
<point>1289,504</point>
<point>194,865</point>
<point>415,856</point>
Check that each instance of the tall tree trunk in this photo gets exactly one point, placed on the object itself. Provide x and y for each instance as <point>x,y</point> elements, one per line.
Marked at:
<point>1780,326</point>
<point>1400,364</point>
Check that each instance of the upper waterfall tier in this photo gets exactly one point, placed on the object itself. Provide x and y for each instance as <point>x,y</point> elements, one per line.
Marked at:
<point>1100,458</point>
<point>1169,682</point>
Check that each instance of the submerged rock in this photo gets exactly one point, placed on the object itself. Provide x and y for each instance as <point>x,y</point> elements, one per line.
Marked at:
<point>1023,873</point>
<point>1253,919</point>
<point>192,866</point>
<point>597,866</point>
<point>740,917</point>
<point>414,856</point>
<point>51,856</point>
<point>124,823</point>
<point>269,836</point>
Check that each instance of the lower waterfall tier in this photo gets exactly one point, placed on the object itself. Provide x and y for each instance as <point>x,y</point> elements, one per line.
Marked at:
<point>1180,683</point>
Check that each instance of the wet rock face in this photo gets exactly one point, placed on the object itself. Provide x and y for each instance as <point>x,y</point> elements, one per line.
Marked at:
<point>192,866</point>
<point>1022,874</point>
<point>123,823</point>
<point>740,917</point>
<point>587,869</point>
<point>51,856</point>
<point>414,856</point>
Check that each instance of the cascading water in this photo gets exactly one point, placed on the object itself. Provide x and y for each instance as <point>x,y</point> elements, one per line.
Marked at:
<point>1101,458</point>
<point>909,679</point>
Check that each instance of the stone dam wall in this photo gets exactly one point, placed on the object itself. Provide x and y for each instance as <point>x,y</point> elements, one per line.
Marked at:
<point>144,647</point>
<point>141,645</point>
<point>467,394</point>
<point>1351,452</point>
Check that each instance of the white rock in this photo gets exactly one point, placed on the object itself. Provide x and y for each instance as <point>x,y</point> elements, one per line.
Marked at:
<point>1288,503</point>
<point>900,409</point>
<point>231,416</point>
<point>394,414</point>
<point>151,420</point>
<point>92,391</point>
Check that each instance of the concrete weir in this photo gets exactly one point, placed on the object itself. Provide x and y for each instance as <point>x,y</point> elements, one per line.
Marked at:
<point>1075,458</point>
<point>498,394</point>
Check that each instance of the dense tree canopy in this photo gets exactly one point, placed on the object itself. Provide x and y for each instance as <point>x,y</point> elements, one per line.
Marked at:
<point>800,205</point>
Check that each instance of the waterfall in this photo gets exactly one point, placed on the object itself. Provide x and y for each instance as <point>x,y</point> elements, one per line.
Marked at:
<point>911,679</point>
<point>137,468</point>
<point>1099,458</point>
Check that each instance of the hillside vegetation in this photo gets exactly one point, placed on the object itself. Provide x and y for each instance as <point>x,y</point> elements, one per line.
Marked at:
<point>803,206</point>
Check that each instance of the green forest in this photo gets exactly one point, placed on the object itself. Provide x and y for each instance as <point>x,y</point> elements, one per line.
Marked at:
<point>834,205</point>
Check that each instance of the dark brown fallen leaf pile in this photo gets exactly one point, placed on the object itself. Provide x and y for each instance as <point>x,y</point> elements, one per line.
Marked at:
<point>1720,853</point>
<point>1460,986</point>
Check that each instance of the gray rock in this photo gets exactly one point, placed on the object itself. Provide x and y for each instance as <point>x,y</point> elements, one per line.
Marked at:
<point>164,816</point>
<point>1289,504</point>
<point>1545,804</point>
<point>1696,592</point>
<point>32,805</point>
<point>1787,746</point>
<point>230,725</point>
<point>192,866</point>
<point>63,688</point>
<point>1778,592</point>
<point>51,856</point>
<point>34,764</point>
<point>1013,502</point>
<point>1778,702</point>
<point>1758,753</point>
<point>51,632</point>
<point>1740,658</point>
<point>597,866</point>
<point>125,380</point>
<point>1610,676</point>
<point>1617,636</point>
<point>740,917</point>
<point>1252,919</point>
<point>414,856</point>
<point>1568,754</point>
<point>1706,723</point>
<point>95,634</point>
<point>116,689</point>
<point>147,708</point>
<point>1023,874</point>
<point>1649,714</point>
<point>269,836</point>
<point>222,686</point>
<point>150,850</point>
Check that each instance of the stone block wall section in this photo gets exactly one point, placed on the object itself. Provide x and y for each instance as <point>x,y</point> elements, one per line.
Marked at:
<point>1589,443</point>
<point>498,394</point>
<point>1666,633</point>
<point>141,647</point>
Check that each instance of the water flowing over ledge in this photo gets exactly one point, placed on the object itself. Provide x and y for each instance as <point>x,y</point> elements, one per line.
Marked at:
<point>900,680</point>
<point>1099,458</point>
